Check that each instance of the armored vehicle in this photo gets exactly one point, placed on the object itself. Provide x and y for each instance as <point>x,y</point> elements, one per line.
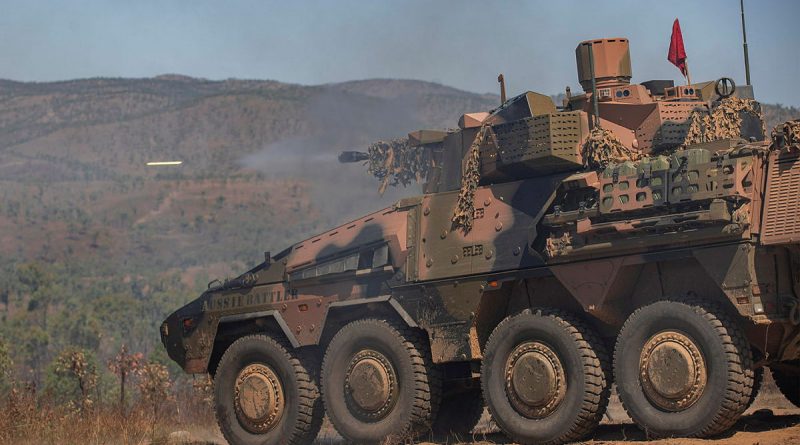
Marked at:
<point>644,234</point>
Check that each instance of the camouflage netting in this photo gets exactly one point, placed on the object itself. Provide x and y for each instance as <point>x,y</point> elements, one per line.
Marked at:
<point>465,207</point>
<point>724,121</point>
<point>603,148</point>
<point>790,133</point>
<point>395,162</point>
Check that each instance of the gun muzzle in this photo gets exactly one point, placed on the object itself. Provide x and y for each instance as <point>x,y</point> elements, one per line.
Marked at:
<point>353,156</point>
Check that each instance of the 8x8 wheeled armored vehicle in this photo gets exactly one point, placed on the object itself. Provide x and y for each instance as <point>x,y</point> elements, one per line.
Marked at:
<point>644,234</point>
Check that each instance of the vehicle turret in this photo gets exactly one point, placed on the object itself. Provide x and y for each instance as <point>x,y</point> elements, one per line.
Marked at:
<point>528,135</point>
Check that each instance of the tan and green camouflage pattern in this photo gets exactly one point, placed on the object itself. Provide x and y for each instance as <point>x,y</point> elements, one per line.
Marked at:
<point>556,218</point>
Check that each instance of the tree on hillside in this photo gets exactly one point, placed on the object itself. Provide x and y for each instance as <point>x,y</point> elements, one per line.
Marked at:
<point>78,366</point>
<point>32,342</point>
<point>76,328</point>
<point>123,365</point>
<point>6,363</point>
<point>4,300</point>
<point>154,385</point>
<point>6,379</point>
<point>38,281</point>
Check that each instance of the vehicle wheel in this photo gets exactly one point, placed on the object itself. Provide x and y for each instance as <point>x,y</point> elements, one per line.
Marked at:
<point>683,368</point>
<point>758,379</point>
<point>379,383</point>
<point>545,377</point>
<point>789,384</point>
<point>266,394</point>
<point>459,413</point>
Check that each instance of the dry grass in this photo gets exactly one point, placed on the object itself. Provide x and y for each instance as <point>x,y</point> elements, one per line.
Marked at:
<point>28,419</point>
<point>187,419</point>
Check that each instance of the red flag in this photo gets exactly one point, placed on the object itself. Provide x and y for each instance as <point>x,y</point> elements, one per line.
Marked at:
<point>677,55</point>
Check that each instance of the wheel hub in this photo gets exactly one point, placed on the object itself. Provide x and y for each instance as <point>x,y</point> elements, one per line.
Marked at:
<point>370,385</point>
<point>535,380</point>
<point>672,371</point>
<point>258,398</point>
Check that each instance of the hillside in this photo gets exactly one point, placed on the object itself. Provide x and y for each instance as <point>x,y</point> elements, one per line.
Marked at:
<point>75,185</point>
<point>96,247</point>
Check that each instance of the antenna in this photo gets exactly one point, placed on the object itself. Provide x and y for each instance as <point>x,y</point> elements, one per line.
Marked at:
<point>744,37</point>
<point>595,107</point>
<point>502,81</point>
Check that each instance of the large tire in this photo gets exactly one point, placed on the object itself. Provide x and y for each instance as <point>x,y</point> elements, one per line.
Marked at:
<point>683,368</point>
<point>459,414</point>
<point>758,380</point>
<point>379,384</point>
<point>563,353</point>
<point>789,384</point>
<point>259,369</point>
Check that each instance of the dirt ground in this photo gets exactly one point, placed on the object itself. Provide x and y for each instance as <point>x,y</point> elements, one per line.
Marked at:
<point>772,420</point>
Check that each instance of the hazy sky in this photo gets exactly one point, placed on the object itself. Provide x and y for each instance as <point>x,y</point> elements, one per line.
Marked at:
<point>459,43</point>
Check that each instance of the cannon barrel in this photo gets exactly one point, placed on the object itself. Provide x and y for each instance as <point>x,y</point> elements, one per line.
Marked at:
<point>353,156</point>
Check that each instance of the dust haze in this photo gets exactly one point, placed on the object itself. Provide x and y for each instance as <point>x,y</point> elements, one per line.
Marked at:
<point>340,120</point>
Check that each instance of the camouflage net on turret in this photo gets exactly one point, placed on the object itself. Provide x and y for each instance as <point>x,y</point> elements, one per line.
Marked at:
<point>396,162</point>
<point>603,148</point>
<point>724,121</point>
<point>789,132</point>
<point>465,207</point>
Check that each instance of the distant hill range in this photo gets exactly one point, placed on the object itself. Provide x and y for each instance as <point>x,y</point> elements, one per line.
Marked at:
<point>110,127</point>
<point>259,163</point>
